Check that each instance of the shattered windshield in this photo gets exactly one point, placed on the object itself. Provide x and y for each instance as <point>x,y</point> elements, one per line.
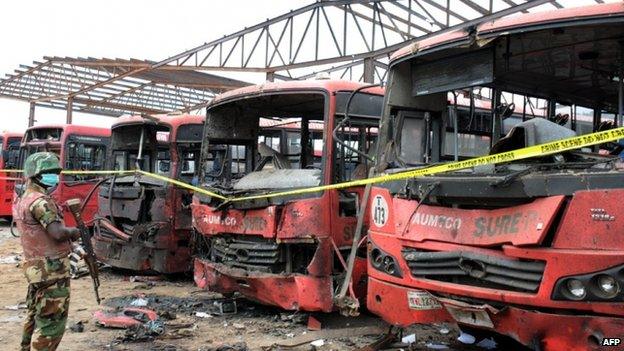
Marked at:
<point>154,149</point>
<point>263,135</point>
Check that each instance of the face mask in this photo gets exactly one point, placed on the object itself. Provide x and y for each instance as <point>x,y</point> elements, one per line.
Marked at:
<point>49,179</point>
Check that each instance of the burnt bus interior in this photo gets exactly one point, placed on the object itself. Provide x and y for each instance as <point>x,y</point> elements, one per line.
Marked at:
<point>554,67</point>
<point>579,65</point>
<point>289,152</point>
<point>242,156</point>
<point>147,146</point>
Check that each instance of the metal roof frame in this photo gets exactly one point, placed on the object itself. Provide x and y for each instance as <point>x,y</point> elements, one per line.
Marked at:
<point>112,87</point>
<point>327,29</point>
<point>349,39</point>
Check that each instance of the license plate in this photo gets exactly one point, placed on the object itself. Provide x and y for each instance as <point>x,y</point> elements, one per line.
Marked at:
<point>471,316</point>
<point>422,300</point>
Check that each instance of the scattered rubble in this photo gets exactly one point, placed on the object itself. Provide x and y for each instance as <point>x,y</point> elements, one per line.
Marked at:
<point>77,327</point>
<point>125,318</point>
<point>19,306</point>
<point>12,259</point>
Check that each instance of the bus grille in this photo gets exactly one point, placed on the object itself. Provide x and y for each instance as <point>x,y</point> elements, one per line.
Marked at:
<point>249,253</point>
<point>475,269</point>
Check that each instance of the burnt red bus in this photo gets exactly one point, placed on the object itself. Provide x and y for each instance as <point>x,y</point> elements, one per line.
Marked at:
<point>284,251</point>
<point>145,222</point>
<point>531,249</point>
<point>79,148</point>
<point>10,160</point>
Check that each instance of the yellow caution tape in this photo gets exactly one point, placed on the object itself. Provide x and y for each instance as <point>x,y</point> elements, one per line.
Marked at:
<point>518,154</point>
<point>183,185</point>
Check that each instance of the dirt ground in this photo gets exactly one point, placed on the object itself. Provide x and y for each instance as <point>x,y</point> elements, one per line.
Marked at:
<point>177,300</point>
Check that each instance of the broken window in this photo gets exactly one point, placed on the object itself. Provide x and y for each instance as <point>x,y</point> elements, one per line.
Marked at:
<point>11,153</point>
<point>84,157</point>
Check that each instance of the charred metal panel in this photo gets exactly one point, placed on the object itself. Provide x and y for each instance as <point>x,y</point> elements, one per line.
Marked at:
<point>506,189</point>
<point>127,208</point>
<point>235,127</point>
<point>258,222</point>
<point>304,219</point>
<point>255,254</point>
<point>291,292</point>
<point>525,224</point>
<point>594,220</point>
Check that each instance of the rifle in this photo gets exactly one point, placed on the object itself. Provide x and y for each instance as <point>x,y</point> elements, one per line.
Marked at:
<point>74,206</point>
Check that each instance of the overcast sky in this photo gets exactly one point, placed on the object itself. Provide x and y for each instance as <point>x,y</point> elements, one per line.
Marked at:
<point>142,29</point>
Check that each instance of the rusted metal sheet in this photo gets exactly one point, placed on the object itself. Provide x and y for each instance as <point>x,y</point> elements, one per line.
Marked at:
<point>592,221</point>
<point>126,318</point>
<point>519,225</point>
<point>293,291</point>
<point>146,225</point>
<point>259,222</point>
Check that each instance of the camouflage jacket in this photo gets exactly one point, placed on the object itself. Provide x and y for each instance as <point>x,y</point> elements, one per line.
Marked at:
<point>46,257</point>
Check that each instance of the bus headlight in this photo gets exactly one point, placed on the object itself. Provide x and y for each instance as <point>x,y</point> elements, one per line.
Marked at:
<point>607,285</point>
<point>604,285</point>
<point>383,261</point>
<point>576,289</point>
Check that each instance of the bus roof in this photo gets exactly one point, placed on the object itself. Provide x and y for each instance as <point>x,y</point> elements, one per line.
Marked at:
<point>330,85</point>
<point>505,25</point>
<point>74,128</point>
<point>12,134</point>
<point>171,121</point>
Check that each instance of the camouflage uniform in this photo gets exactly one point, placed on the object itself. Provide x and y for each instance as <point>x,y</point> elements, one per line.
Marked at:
<point>46,268</point>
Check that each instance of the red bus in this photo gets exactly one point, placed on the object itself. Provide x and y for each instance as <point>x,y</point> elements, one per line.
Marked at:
<point>79,148</point>
<point>145,223</point>
<point>530,249</point>
<point>10,160</point>
<point>287,251</point>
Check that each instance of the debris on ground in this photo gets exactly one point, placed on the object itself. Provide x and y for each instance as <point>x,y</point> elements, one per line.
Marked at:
<point>487,343</point>
<point>240,346</point>
<point>12,259</point>
<point>126,318</point>
<point>139,302</point>
<point>145,278</point>
<point>466,338</point>
<point>144,332</point>
<point>330,334</point>
<point>436,346</point>
<point>318,343</point>
<point>77,327</point>
<point>224,307</point>
<point>203,315</point>
<point>313,324</point>
<point>444,330</point>
<point>19,306</point>
<point>409,339</point>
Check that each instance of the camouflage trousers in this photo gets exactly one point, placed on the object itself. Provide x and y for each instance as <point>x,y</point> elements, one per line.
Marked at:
<point>48,305</point>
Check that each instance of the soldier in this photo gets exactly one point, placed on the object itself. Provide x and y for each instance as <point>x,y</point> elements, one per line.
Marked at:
<point>46,244</point>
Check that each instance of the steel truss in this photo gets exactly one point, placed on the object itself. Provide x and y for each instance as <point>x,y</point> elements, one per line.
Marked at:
<point>112,86</point>
<point>350,38</point>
